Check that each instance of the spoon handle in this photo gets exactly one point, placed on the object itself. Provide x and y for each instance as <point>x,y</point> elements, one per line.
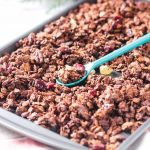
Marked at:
<point>140,41</point>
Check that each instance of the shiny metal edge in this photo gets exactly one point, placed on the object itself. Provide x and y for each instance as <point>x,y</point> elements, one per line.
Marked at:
<point>133,137</point>
<point>30,129</point>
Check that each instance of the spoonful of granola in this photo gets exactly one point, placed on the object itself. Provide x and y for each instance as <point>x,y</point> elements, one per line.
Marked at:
<point>74,75</point>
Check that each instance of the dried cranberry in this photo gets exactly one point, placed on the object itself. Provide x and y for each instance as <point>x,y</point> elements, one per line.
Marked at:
<point>79,67</point>
<point>118,17</point>
<point>98,147</point>
<point>40,85</point>
<point>50,85</point>
<point>92,92</point>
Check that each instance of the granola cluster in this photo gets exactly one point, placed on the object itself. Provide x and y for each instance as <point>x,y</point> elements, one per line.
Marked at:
<point>70,74</point>
<point>104,110</point>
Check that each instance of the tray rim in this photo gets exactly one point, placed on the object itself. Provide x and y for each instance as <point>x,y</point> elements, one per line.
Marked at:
<point>36,132</point>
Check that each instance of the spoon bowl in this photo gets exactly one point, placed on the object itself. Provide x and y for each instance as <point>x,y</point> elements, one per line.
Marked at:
<point>123,50</point>
<point>77,82</point>
<point>88,69</point>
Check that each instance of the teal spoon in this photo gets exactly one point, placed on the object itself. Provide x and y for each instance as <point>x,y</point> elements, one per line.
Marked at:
<point>90,66</point>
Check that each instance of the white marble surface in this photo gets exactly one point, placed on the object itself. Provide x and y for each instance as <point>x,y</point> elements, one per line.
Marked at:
<point>16,17</point>
<point>15,20</point>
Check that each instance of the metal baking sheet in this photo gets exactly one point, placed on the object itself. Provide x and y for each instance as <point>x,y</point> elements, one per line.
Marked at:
<point>37,132</point>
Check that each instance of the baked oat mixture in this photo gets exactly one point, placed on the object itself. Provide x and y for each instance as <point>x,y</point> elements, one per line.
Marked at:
<point>98,113</point>
<point>69,74</point>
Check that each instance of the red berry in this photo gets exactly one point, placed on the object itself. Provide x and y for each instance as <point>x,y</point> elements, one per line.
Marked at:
<point>118,17</point>
<point>98,147</point>
<point>40,85</point>
<point>79,67</point>
<point>50,85</point>
<point>92,92</point>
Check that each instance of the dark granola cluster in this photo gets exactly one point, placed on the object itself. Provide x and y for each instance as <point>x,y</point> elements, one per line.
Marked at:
<point>99,113</point>
<point>70,74</point>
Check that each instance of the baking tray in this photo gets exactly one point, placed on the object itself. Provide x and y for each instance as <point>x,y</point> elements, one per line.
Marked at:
<point>37,132</point>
